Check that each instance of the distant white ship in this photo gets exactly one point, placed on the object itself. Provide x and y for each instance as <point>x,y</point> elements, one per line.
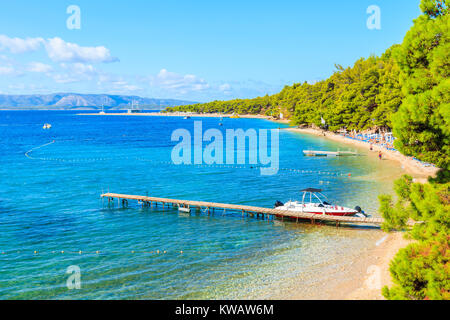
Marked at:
<point>46,126</point>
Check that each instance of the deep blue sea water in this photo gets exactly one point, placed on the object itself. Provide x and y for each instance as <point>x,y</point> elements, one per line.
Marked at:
<point>50,210</point>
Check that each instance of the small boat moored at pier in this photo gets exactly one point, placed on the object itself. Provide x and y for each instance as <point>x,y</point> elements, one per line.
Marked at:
<point>318,204</point>
<point>184,209</point>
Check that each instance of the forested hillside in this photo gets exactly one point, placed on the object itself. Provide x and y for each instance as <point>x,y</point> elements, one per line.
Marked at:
<point>422,124</point>
<point>358,97</point>
<point>422,127</point>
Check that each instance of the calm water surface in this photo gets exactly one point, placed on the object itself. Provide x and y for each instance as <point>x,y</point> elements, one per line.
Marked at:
<point>50,204</point>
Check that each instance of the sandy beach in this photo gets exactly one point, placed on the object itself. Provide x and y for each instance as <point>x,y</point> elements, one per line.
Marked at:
<point>412,167</point>
<point>361,278</point>
<point>373,269</point>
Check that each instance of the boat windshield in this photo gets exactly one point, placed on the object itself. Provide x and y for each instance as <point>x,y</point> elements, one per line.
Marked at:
<point>315,197</point>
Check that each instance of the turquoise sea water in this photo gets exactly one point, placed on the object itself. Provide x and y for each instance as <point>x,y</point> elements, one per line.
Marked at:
<point>49,203</point>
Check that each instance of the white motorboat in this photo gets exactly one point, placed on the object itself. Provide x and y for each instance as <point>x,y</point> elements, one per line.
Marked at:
<point>313,201</point>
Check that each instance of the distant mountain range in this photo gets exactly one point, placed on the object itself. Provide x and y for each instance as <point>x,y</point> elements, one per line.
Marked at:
<point>76,101</point>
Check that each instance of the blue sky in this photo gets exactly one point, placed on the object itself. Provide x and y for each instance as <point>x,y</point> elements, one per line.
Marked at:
<point>192,50</point>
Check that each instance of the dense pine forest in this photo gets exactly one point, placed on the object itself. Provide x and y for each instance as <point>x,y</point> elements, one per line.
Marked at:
<point>422,127</point>
<point>359,97</point>
<point>406,90</point>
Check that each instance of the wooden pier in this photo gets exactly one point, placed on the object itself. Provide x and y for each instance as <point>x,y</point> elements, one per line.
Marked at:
<point>312,153</point>
<point>122,199</point>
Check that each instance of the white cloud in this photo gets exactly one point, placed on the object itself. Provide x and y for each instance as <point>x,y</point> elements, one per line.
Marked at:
<point>61,51</point>
<point>115,84</point>
<point>18,45</point>
<point>75,72</point>
<point>174,81</point>
<point>21,88</point>
<point>39,67</point>
<point>87,73</point>
<point>79,68</point>
<point>6,70</point>
<point>123,86</point>
<point>57,49</point>
<point>65,78</point>
<point>225,87</point>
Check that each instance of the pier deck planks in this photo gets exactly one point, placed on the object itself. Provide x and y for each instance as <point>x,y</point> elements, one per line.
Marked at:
<point>252,209</point>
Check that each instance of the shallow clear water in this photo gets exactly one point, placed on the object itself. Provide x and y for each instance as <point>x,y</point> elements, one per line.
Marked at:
<point>49,203</point>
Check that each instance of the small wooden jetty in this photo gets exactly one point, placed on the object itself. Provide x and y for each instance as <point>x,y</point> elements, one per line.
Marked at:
<point>312,153</point>
<point>122,199</point>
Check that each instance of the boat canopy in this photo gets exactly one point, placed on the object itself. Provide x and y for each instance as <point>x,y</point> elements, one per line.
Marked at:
<point>311,190</point>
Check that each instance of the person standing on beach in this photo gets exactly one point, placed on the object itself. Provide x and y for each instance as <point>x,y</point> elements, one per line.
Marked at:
<point>380,156</point>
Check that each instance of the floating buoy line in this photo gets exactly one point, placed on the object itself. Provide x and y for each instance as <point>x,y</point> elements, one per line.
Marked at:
<point>27,154</point>
<point>91,253</point>
<point>282,171</point>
